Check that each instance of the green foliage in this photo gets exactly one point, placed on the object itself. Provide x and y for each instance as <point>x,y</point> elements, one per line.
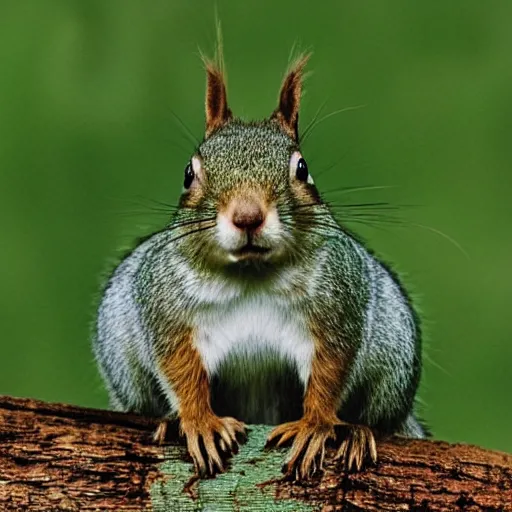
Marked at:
<point>88,141</point>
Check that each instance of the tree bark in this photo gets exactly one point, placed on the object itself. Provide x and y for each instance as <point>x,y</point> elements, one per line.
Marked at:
<point>63,458</point>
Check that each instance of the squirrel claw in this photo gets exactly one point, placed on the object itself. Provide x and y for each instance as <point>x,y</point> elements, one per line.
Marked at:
<point>306,457</point>
<point>211,441</point>
<point>358,449</point>
<point>160,432</point>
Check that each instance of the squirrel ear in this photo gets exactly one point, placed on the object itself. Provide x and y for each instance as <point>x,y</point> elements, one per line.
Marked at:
<point>287,113</point>
<point>217,110</point>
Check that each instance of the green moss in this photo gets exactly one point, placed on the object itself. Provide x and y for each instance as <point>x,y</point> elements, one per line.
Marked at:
<point>237,489</point>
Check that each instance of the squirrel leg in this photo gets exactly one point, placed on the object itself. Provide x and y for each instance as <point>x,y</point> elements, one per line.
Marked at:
<point>210,439</point>
<point>316,427</point>
<point>320,423</point>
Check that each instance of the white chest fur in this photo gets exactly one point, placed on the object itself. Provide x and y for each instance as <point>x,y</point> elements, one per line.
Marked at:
<point>252,326</point>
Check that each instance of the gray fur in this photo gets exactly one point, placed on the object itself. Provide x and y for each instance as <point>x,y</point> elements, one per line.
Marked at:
<point>326,276</point>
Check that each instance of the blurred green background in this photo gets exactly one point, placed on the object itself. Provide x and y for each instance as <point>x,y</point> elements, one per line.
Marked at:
<point>88,140</point>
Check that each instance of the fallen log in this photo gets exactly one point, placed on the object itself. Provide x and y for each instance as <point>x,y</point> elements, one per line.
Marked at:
<point>56,457</point>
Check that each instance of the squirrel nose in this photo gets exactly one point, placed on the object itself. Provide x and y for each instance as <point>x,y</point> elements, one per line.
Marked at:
<point>248,216</point>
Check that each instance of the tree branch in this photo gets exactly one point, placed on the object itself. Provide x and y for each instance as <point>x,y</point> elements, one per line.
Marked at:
<point>63,458</point>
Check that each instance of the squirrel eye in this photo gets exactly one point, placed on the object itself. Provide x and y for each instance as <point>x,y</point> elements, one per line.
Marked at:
<point>189,176</point>
<point>302,170</point>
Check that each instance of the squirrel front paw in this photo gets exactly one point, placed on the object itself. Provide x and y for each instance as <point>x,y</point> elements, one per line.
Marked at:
<point>307,453</point>
<point>211,440</point>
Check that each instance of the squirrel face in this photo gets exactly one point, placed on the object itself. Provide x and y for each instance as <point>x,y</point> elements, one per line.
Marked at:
<point>250,181</point>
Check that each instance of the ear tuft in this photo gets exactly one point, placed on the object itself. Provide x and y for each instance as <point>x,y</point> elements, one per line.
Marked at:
<point>216,104</point>
<point>287,113</point>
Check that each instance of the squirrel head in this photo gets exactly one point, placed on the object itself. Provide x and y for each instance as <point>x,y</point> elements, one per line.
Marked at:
<point>248,196</point>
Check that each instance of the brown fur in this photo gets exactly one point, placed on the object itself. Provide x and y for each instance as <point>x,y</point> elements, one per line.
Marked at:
<point>236,202</point>
<point>185,371</point>
<point>195,194</point>
<point>217,110</point>
<point>317,426</point>
<point>325,385</point>
<point>187,375</point>
<point>287,113</point>
<point>305,193</point>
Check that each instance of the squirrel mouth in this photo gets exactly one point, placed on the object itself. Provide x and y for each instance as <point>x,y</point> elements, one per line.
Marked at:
<point>251,251</point>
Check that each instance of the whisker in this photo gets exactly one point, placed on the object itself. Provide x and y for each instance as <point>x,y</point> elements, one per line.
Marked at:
<point>161,208</point>
<point>313,121</point>
<point>353,207</point>
<point>304,205</point>
<point>160,203</point>
<point>309,129</point>
<point>307,229</point>
<point>350,190</point>
<point>186,129</point>
<point>139,201</point>
<point>153,211</point>
<point>327,169</point>
<point>176,225</point>
<point>374,219</point>
<point>326,222</point>
<point>368,223</point>
<point>444,235</point>
<point>142,213</point>
<point>146,203</point>
<point>183,149</point>
<point>191,232</point>
<point>334,164</point>
<point>326,228</point>
<point>369,206</point>
<point>319,218</point>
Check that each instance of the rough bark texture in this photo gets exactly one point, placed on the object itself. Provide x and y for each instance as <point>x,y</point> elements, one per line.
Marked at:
<point>65,458</point>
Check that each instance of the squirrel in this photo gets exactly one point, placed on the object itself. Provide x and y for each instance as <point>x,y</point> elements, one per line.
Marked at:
<point>254,305</point>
